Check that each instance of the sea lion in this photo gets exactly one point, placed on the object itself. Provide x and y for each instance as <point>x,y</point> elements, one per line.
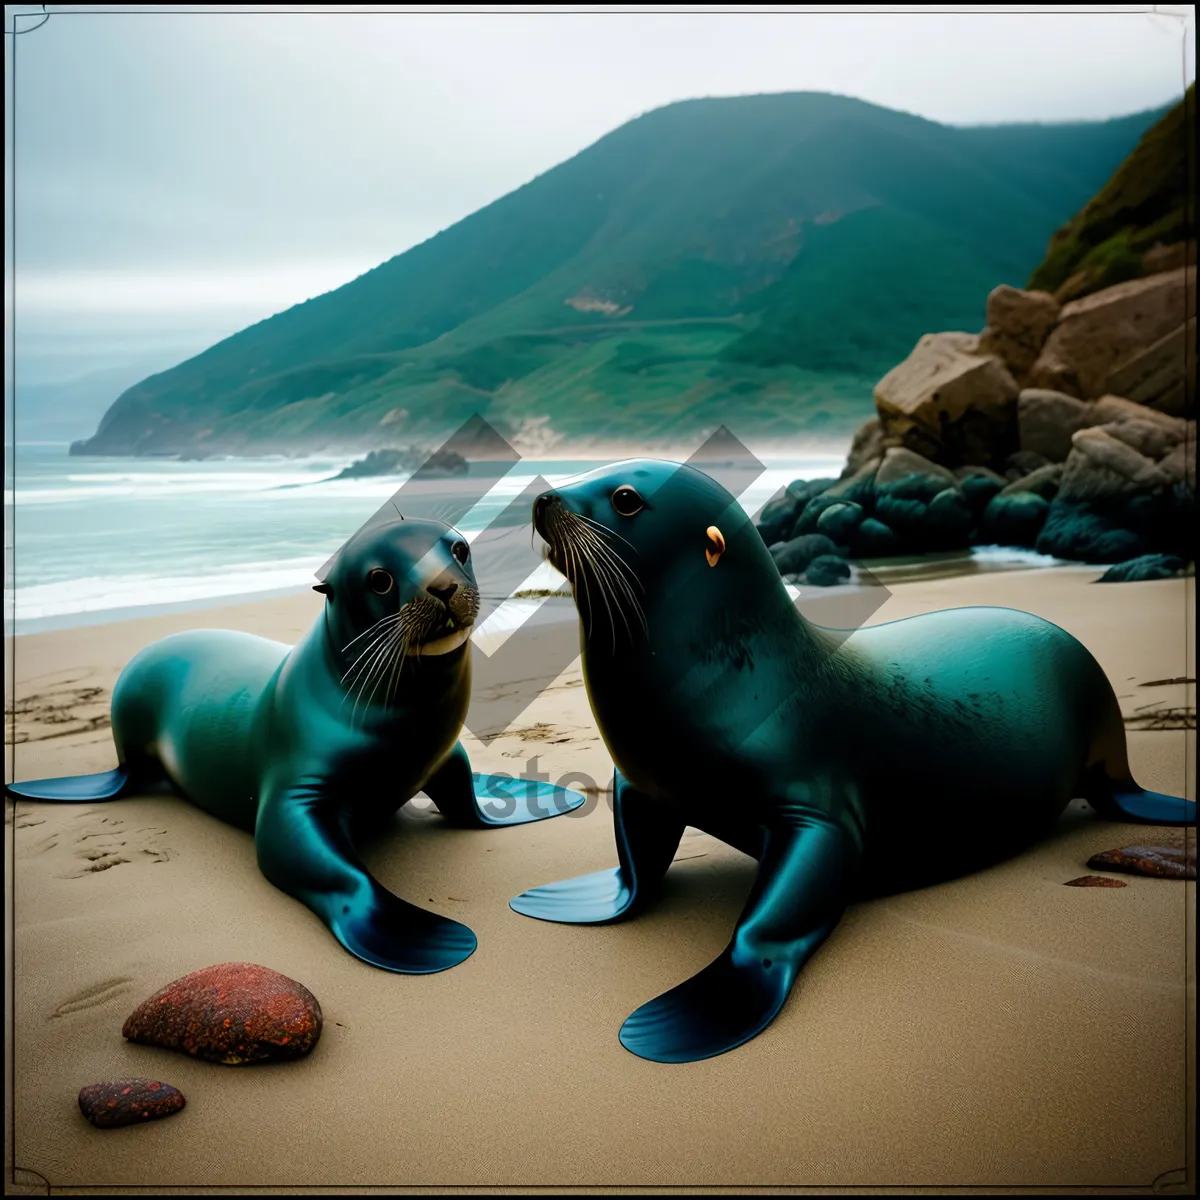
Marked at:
<point>847,763</point>
<point>309,746</point>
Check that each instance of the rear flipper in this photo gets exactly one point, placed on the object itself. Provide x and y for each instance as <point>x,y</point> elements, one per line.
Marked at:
<point>75,789</point>
<point>647,837</point>
<point>486,801</point>
<point>1134,804</point>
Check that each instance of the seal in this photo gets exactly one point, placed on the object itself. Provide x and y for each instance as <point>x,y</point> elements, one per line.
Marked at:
<point>310,747</point>
<point>848,763</point>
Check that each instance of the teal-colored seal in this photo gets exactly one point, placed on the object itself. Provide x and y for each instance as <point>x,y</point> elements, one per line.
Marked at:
<point>848,764</point>
<point>307,747</point>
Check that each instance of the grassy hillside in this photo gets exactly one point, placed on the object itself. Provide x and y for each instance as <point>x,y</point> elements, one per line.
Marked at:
<point>1149,200</point>
<point>758,260</point>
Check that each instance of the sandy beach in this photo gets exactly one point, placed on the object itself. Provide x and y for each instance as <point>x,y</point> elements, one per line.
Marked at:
<point>1000,1031</point>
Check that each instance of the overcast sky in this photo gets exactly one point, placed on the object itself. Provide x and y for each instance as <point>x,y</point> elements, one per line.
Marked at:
<point>182,173</point>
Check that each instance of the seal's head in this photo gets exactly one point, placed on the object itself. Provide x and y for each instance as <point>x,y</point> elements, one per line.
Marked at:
<point>398,593</point>
<point>643,537</point>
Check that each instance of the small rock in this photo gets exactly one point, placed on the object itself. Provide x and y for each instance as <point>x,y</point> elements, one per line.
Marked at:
<point>128,1102</point>
<point>1095,881</point>
<point>978,485</point>
<point>779,514</point>
<point>839,521</point>
<point>1161,862</point>
<point>1139,570</point>
<point>231,1013</point>
<point>948,520</point>
<point>792,558</point>
<point>1081,532</point>
<point>827,571</point>
<point>874,539</point>
<point>1013,520</point>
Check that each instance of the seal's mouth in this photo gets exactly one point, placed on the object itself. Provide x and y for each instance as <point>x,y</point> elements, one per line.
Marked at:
<point>449,638</point>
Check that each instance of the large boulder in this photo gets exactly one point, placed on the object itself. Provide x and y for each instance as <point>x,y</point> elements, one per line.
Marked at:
<point>1101,467</point>
<point>948,402</point>
<point>1044,482</point>
<point>1104,332</point>
<point>1018,323</point>
<point>869,444</point>
<point>1047,420</point>
<point>1146,437</point>
<point>1162,374</point>
<point>1180,465</point>
<point>900,463</point>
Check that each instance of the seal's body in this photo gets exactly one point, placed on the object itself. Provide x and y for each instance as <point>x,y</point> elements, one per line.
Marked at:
<point>848,765</point>
<point>309,746</point>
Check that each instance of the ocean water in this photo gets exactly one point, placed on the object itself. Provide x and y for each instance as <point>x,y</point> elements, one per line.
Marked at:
<point>107,538</point>
<point>95,538</point>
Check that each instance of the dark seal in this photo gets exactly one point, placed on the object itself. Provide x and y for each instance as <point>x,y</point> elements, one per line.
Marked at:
<point>309,747</point>
<point>848,763</point>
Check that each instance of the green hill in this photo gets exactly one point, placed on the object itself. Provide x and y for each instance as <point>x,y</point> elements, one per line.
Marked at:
<point>758,260</point>
<point>1149,201</point>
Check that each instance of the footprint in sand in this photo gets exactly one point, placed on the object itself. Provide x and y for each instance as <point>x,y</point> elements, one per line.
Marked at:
<point>100,993</point>
<point>64,703</point>
<point>93,841</point>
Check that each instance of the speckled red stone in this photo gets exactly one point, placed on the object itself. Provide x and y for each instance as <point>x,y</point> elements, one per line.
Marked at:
<point>233,1013</point>
<point>1164,862</point>
<point>128,1102</point>
<point>1095,881</point>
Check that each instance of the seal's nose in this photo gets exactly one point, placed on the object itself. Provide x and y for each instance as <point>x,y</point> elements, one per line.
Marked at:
<point>540,508</point>
<point>443,593</point>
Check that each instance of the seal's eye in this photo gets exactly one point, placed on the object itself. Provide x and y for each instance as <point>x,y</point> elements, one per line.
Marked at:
<point>626,501</point>
<point>380,582</point>
<point>461,551</point>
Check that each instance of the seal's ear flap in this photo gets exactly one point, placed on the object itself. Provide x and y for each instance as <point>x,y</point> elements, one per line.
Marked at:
<point>715,547</point>
<point>326,589</point>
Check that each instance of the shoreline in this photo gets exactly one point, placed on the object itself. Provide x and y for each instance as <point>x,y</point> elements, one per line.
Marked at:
<point>885,571</point>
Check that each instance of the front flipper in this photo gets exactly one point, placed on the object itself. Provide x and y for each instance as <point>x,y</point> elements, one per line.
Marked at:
<point>799,895</point>
<point>304,849</point>
<point>647,837</point>
<point>486,801</point>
